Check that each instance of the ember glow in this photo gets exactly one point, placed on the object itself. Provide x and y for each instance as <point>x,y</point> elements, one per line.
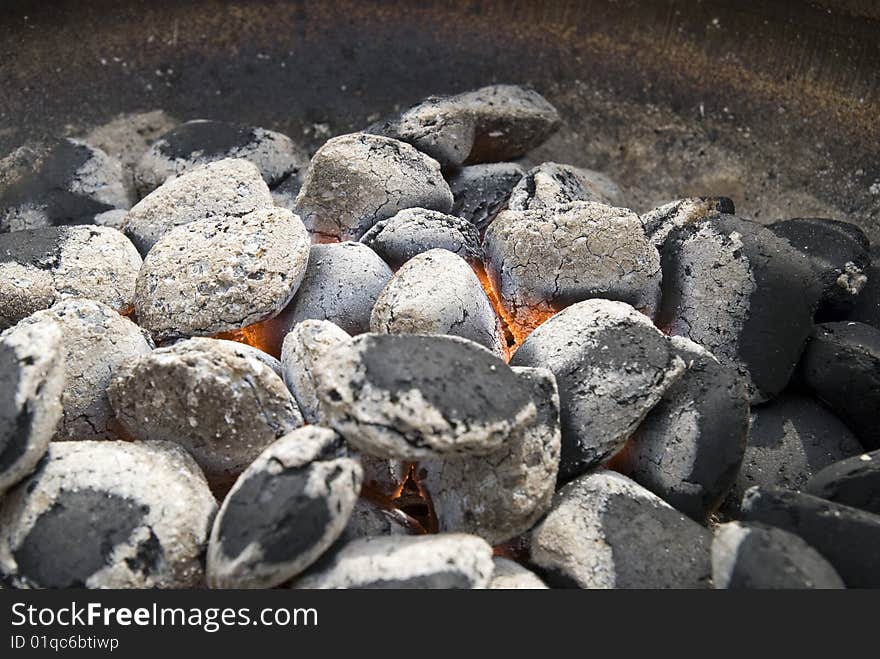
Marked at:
<point>259,335</point>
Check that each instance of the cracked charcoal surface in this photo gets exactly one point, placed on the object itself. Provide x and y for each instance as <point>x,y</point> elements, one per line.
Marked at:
<point>689,448</point>
<point>140,513</point>
<point>839,253</point>
<point>31,382</point>
<point>480,191</point>
<point>852,482</point>
<point>284,511</point>
<point>552,184</point>
<point>446,560</point>
<point>509,575</point>
<point>611,365</point>
<point>62,181</point>
<point>762,557</point>
<point>213,397</point>
<point>39,267</point>
<point>841,365</point>
<point>604,531</point>
<point>437,292</point>
<point>303,346</point>
<point>199,142</point>
<point>218,190</point>
<point>213,275</point>
<point>409,397</point>
<point>847,537</point>
<point>416,230</point>
<point>501,495</point>
<point>510,120</point>
<point>542,260</point>
<point>658,222</point>
<point>341,284</point>
<point>790,440</point>
<point>96,341</point>
<point>866,308</point>
<point>744,294</point>
<point>439,127</point>
<point>356,180</point>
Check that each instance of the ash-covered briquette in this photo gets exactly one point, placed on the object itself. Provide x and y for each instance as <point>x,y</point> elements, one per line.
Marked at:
<point>213,397</point>
<point>107,515</point>
<point>39,267</point>
<point>216,275</point>
<point>541,260</point>
<point>416,230</point>
<point>552,184</point>
<point>62,181</point>
<point>853,482</point>
<point>303,346</point>
<point>445,560</point>
<point>606,531</point>
<point>31,382</point>
<point>216,191</point>
<point>437,292</point>
<point>409,397</point>
<point>790,439</point>
<point>501,495</point>
<point>658,222</point>
<point>866,307</point>
<point>754,556</point>
<point>509,575</point>
<point>284,511</point>
<point>95,342</point>
<point>341,284</point>
<point>199,142</point>
<point>839,254</point>
<point>847,537</point>
<point>357,180</point>
<point>370,520</point>
<point>744,294</point>
<point>611,365</point>
<point>127,137</point>
<point>490,124</point>
<point>480,191</point>
<point>841,365</point>
<point>689,448</point>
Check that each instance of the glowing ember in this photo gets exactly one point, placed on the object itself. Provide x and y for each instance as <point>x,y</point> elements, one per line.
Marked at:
<point>259,335</point>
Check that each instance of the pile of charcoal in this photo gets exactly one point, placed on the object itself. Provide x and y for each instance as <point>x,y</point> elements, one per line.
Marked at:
<point>419,359</point>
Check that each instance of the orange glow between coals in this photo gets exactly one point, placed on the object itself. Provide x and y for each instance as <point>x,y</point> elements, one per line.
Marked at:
<point>259,335</point>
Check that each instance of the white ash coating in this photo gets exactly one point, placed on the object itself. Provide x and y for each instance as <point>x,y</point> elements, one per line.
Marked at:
<point>658,222</point>
<point>509,575</point>
<point>340,284</point>
<point>108,515</point>
<point>62,181</point>
<point>754,556</point>
<point>481,191</point>
<point>229,187</point>
<point>201,141</point>
<point>605,531</point>
<point>216,275</point>
<point>303,346</point>
<point>96,342</point>
<point>356,180</point>
<point>40,267</point>
<point>689,448</point>
<point>501,495</point>
<point>213,397</point>
<point>446,560</point>
<point>31,382</point>
<point>611,365</point>
<point>437,292</point>
<point>552,184</point>
<point>128,136</point>
<point>438,126</point>
<point>408,397</point>
<point>416,230</point>
<point>547,258</point>
<point>284,511</point>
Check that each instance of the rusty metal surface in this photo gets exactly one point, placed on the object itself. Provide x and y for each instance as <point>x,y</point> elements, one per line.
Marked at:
<point>794,85</point>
